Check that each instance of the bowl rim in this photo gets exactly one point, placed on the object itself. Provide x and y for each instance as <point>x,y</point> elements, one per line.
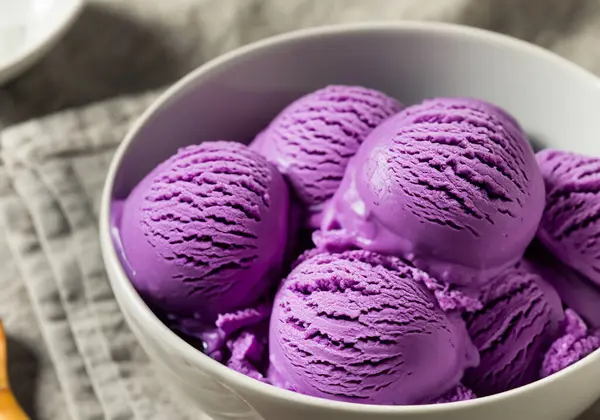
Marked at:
<point>33,51</point>
<point>216,369</point>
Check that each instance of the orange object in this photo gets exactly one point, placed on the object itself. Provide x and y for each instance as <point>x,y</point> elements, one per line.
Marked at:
<point>9,407</point>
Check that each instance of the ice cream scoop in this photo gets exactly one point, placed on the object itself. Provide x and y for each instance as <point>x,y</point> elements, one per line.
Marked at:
<point>451,185</point>
<point>576,291</point>
<point>245,335</point>
<point>313,138</point>
<point>521,317</point>
<point>459,393</point>
<point>237,339</point>
<point>576,343</point>
<point>357,327</point>
<point>570,226</point>
<point>205,232</point>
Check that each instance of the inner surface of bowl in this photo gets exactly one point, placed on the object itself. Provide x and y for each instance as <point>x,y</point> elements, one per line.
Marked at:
<point>236,96</point>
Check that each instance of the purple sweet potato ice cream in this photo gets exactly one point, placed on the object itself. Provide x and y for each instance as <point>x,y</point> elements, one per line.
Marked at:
<point>459,393</point>
<point>521,317</point>
<point>576,291</point>
<point>451,185</point>
<point>313,138</point>
<point>357,327</point>
<point>419,289</point>
<point>204,233</point>
<point>570,226</point>
<point>576,343</point>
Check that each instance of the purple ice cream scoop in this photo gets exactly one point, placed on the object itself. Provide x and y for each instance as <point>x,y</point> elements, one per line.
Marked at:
<point>357,327</point>
<point>570,226</point>
<point>459,393</point>
<point>205,232</point>
<point>576,291</point>
<point>576,343</point>
<point>237,339</point>
<point>451,185</point>
<point>313,138</point>
<point>521,317</point>
<point>245,337</point>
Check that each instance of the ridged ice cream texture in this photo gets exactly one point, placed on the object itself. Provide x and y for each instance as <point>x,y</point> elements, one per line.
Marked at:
<point>521,318</point>
<point>570,226</point>
<point>459,393</point>
<point>313,138</point>
<point>576,343</point>
<point>574,289</point>
<point>358,327</point>
<point>237,339</point>
<point>205,232</point>
<point>450,184</point>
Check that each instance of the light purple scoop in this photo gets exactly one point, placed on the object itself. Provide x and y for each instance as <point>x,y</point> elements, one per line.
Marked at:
<point>357,327</point>
<point>451,185</point>
<point>576,343</point>
<point>206,231</point>
<point>313,138</point>
<point>459,393</point>
<point>576,291</point>
<point>520,319</point>
<point>570,227</point>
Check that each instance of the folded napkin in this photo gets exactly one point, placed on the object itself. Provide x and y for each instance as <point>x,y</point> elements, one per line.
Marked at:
<point>71,352</point>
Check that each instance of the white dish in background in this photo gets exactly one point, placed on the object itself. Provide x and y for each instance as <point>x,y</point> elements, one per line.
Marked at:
<point>234,96</point>
<point>29,28</point>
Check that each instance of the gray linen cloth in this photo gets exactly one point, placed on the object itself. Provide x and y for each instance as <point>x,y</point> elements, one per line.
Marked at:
<point>71,354</point>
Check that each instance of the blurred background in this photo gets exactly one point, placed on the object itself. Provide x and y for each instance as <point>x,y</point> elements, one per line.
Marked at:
<point>118,47</point>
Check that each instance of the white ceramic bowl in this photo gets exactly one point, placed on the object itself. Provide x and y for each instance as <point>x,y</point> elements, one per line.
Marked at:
<point>234,96</point>
<point>29,28</point>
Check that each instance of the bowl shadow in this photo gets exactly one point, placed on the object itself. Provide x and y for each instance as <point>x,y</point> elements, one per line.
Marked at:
<point>536,143</point>
<point>23,371</point>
